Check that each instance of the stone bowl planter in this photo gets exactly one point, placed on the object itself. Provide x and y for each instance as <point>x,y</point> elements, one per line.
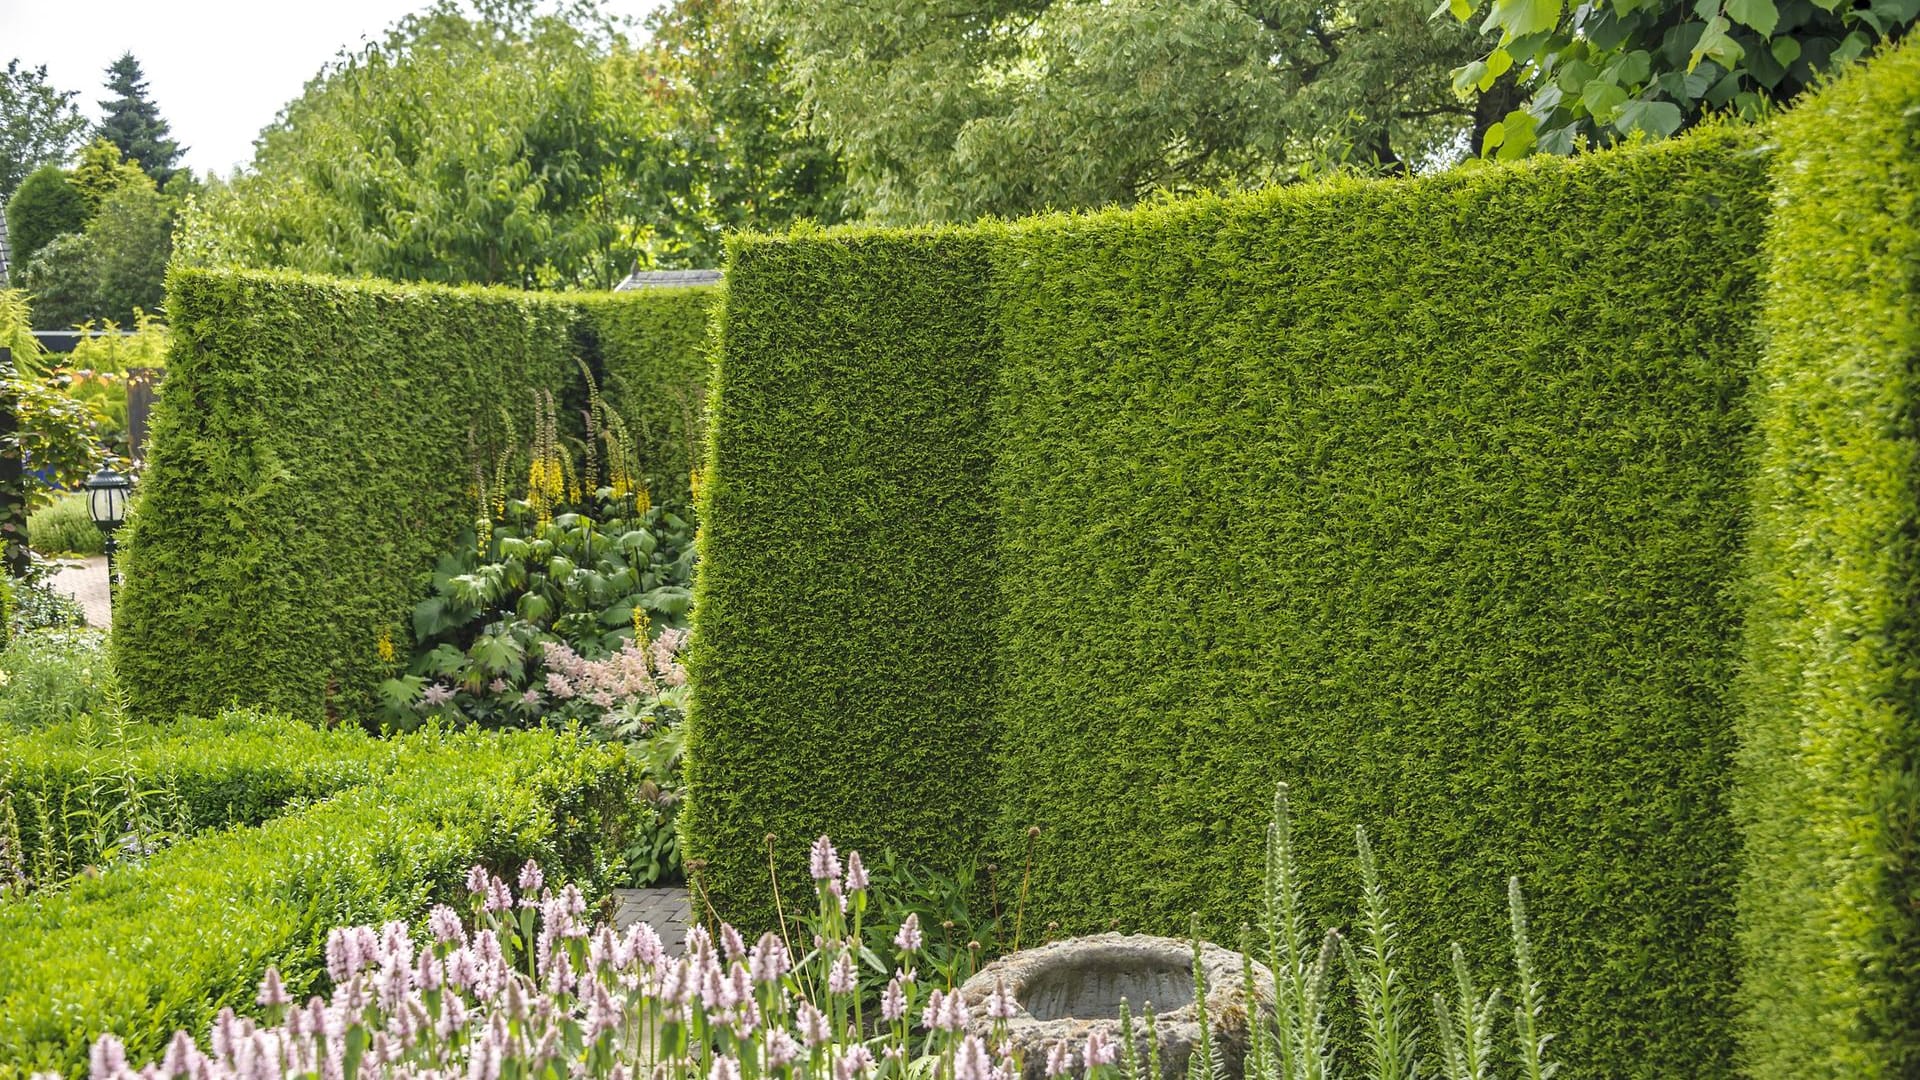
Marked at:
<point>1066,989</point>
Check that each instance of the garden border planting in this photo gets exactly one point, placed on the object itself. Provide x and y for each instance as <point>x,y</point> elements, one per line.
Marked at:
<point>141,952</point>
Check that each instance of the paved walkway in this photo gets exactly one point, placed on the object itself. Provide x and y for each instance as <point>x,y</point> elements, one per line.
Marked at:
<point>86,581</point>
<point>668,910</point>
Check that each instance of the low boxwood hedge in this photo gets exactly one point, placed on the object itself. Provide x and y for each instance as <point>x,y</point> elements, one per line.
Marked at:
<point>142,952</point>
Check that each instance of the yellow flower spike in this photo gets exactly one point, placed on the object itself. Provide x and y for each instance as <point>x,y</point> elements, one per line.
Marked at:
<point>384,646</point>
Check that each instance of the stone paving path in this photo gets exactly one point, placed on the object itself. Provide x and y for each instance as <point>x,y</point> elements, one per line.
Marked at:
<point>668,910</point>
<point>86,581</point>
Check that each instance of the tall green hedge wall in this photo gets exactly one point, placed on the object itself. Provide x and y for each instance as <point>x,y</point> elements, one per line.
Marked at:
<point>1426,497</point>
<point>310,459</point>
<point>1828,798</point>
<point>846,600</point>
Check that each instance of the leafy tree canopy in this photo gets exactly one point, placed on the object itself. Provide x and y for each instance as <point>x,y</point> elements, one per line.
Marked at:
<point>132,122</point>
<point>738,152</point>
<point>947,111</point>
<point>506,147</point>
<point>1595,72</point>
<point>45,206</point>
<point>38,124</point>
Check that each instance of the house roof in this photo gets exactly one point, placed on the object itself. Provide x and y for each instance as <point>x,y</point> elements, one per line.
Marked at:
<point>667,279</point>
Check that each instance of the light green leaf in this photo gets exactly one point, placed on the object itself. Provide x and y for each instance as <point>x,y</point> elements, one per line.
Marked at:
<point>1714,44</point>
<point>1601,99</point>
<point>1514,18</point>
<point>1786,50</point>
<point>1762,15</point>
<point>1660,118</point>
<point>1467,76</point>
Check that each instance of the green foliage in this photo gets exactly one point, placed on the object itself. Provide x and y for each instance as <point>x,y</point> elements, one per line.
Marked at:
<point>44,207</point>
<point>58,432</point>
<point>739,151</point>
<point>590,582</point>
<point>652,343</point>
<point>39,125</point>
<point>1594,73</point>
<point>63,527</point>
<point>34,604</point>
<point>51,676</point>
<point>1353,486</point>
<point>143,951</point>
<point>503,147</point>
<point>132,122</point>
<point>93,792</point>
<point>990,107</point>
<point>115,267</point>
<point>320,463</point>
<point>1827,796</point>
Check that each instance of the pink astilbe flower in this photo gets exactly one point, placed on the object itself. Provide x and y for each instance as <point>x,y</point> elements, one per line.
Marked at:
<point>436,695</point>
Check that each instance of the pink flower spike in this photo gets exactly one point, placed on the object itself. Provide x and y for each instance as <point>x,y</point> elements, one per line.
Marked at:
<point>724,1068</point>
<point>109,1057</point>
<point>856,873</point>
<point>531,877</point>
<point>1000,1004</point>
<point>1059,1059</point>
<point>273,993</point>
<point>842,978</point>
<point>893,1002</point>
<point>1100,1050</point>
<point>971,1063</point>
<point>826,863</point>
<point>909,939</point>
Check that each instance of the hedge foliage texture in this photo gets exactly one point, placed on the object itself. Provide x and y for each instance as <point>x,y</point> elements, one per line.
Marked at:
<point>146,950</point>
<point>1424,497</point>
<point>1829,800</point>
<point>311,459</point>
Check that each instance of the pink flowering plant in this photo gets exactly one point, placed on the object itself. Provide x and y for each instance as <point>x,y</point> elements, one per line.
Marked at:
<point>524,986</point>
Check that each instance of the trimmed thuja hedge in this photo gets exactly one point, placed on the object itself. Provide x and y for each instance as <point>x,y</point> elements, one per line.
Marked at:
<point>144,951</point>
<point>1829,765</point>
<point>312,458</point>
<point>1425,497</point>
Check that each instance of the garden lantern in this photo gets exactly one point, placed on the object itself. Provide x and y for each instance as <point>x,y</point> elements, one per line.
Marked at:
<point>107,494</point>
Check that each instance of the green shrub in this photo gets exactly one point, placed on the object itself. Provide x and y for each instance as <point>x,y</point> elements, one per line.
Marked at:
<point>314,454</point>
<point>63,527</point>
<point>142,952</point>
<point>1829,738</point>
<point>45,205</point>
<point>50,676</point>
<point>1424,497</point>
<point>77,789</point>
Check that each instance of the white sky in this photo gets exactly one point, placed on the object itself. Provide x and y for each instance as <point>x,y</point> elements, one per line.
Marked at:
<point>218,69</point>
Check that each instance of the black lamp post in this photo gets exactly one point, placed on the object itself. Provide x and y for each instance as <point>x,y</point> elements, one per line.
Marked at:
<point>107,493</point>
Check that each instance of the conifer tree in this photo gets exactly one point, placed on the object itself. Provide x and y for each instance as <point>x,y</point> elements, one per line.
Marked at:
<point>133,123</point>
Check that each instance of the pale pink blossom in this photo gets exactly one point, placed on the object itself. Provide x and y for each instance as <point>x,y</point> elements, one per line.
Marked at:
<point>826,863</point>
<point>909,939</point>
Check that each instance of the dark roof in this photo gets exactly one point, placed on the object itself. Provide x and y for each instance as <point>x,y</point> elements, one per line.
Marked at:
<point>667,279</point>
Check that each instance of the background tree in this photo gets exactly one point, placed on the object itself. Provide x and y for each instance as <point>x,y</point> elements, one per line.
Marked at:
<point>45,206</point>
<point>61,279</point>
<point>38,124</point>
<point>507,147</point>
<point>738,152</point>
<point>132,122</point>
<point>1592,73</point>
<point>948,111</point>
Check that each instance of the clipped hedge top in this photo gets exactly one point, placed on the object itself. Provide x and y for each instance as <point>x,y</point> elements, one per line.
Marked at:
<point>144,951</point>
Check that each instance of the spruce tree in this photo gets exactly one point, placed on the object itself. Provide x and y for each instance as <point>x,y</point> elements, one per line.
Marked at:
<point>132,121</point>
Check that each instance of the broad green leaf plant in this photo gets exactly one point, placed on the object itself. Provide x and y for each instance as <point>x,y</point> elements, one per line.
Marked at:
<point>1597,72</point>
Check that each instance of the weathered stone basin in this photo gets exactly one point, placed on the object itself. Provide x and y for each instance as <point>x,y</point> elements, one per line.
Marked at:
<point>1068,988</point>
